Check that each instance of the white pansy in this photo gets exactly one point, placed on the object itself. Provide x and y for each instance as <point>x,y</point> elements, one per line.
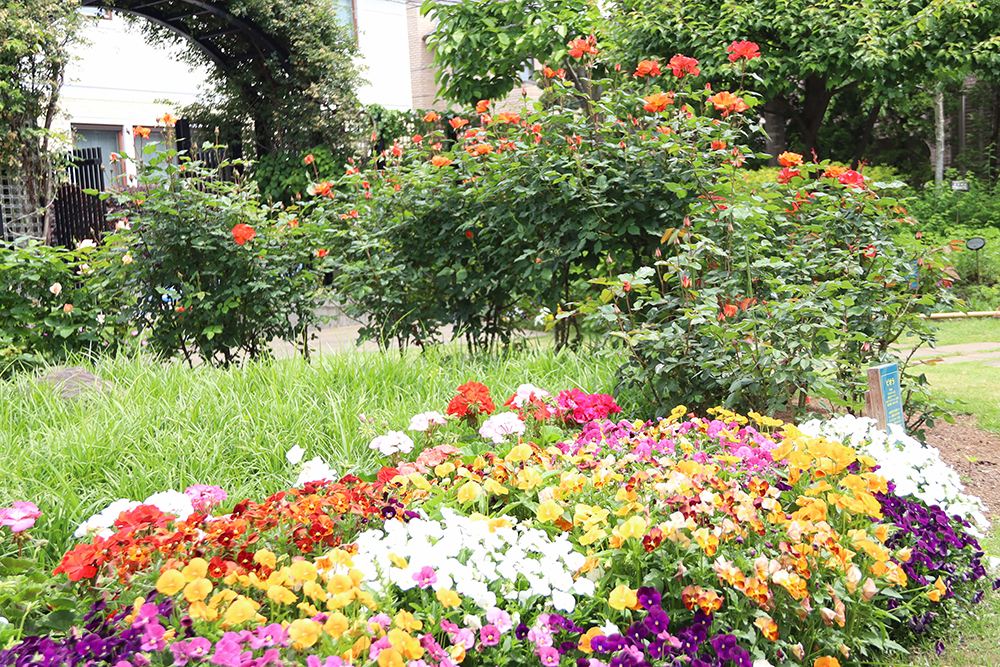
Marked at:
<point>294,455</point>
<point>315,470</point>
<point>916,469</point>
<point>498,427</point>
<point>425,420</point>
<point>392,442</point>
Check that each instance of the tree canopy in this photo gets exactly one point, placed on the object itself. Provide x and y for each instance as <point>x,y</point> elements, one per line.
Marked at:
<point>34,52</point>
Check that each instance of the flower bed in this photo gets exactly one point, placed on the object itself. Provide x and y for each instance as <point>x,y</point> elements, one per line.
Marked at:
<point>546,533</point>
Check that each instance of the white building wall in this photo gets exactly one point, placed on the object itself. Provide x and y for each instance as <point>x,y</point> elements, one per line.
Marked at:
<point>385,52</point>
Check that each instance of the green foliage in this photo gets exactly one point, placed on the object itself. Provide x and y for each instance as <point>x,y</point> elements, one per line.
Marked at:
<point>281,178</point>
<point>192,287</point>
<point>56,305</point>
<point>767,175</point>
<point>813,52</point>
<point>520,212</point>
<point>481,48</point>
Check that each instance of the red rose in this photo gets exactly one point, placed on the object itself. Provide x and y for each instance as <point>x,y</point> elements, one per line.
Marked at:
<point>243,233</point>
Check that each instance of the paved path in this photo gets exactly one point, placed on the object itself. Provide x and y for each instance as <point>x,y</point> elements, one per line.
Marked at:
<point>342,339</point>
<point>956,354</point>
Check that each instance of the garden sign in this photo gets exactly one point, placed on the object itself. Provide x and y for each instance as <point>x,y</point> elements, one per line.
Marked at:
<point>884,400</point>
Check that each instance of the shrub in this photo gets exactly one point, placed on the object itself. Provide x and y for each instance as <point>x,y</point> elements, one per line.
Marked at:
<point>772,295</point>
<point>207,269</point>
<point>519,210</point>
<point>55,305</point>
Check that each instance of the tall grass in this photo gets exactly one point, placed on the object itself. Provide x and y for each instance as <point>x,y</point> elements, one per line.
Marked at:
<point>166,426</point>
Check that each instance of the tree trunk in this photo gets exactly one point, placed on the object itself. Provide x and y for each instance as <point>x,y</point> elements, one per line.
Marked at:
<point>994,149</point>
<point>774,129</point>
<point>815,102</point>
<point>939,135</point>
<point>866,134</point>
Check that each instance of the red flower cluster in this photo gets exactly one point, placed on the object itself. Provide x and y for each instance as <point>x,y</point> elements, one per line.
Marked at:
<point>682,65</point>
<point>243,233</point>
<point>657,102</point>
<point>744,49</point>
<point>473,399</point>
<point>318,516</point>
<point>554,73</point>
<point>580,47</point>
<point>647,68</point>
<point>727,103</point>
<point>787,174</point>
<point>581,407</point>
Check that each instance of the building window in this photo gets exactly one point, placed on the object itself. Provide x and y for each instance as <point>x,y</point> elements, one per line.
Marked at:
<point>343,11</point>
<point>108,140</point>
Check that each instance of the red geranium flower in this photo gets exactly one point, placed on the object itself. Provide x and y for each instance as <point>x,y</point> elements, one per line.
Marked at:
<point>744,49</point>
<point>473,399</point>
<point>243,233</point>
<point>322,252</point>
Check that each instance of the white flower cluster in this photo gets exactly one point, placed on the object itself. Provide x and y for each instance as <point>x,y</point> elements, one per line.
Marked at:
<point>100,524</point>
<point>476,559</point>
<point>392,442</point>
<point>425,420</point>
<point>525,392</point>
<point>499,426</point>
<point>313,470</point>
<point>914,468</point>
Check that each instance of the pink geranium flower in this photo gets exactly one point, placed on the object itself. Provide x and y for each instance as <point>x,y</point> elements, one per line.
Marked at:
<point>20,517</point>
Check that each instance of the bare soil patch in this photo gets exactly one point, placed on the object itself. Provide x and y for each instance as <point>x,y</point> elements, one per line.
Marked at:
<point>975,454</point>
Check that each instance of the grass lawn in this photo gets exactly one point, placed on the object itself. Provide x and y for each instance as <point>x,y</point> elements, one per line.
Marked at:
<point>972,330</point>
<point>975,384</point>
<point>972,638</point>
<point>168,426</point>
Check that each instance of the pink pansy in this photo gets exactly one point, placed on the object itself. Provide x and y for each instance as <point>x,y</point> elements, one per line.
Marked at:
<point>20,517</point>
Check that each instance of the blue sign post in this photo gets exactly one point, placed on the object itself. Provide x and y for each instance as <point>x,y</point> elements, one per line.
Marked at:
<point>884,399</point>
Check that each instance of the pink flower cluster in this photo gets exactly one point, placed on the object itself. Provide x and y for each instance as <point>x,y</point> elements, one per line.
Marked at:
<point>428,459</point>
<point>580,407</point>
<point>20,517</point>
<point>205,496</point>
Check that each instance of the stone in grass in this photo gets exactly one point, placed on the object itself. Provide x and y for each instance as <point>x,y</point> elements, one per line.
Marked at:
<point>71,382</point>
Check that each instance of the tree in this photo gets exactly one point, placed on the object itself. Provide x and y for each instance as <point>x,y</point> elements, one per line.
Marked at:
<point>34,53</point>
<point>815,51</point>
<point>293,106</point>
<point>481,48</point>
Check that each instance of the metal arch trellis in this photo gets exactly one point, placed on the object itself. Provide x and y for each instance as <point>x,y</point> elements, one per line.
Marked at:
<point>228,40</point>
